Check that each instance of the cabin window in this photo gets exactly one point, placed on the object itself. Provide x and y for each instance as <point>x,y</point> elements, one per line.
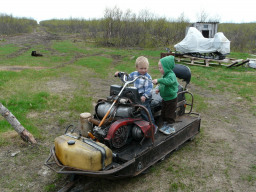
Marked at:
<point>206,26</point>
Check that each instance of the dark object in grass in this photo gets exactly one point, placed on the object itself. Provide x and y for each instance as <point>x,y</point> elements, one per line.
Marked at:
<point>36,54</point>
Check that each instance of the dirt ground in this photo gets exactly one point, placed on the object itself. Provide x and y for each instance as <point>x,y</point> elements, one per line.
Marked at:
<point>221,158</point>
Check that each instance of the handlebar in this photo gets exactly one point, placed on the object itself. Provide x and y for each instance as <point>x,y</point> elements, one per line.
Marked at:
<point>124,78</point>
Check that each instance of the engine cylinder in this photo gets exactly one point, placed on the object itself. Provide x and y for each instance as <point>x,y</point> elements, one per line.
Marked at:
<point>121,111</point>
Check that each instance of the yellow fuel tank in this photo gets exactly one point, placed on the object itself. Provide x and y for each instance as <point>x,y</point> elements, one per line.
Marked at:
<point>84,153</point>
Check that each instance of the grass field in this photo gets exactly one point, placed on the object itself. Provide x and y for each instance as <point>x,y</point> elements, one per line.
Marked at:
<point>48,93</point>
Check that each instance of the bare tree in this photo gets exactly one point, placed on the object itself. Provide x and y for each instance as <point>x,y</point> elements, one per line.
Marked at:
<point>202,16</point>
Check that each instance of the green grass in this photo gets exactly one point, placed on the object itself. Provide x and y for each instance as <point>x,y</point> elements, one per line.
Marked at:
<point>50,187</point>
<point>6,76</point>
<point>253,110</point>
<point>250,176</point>
<point>238,55</point>
<point>200,103</point>
<point>20,105</point>
<point>8,49</point>
<point>240,81</point>
<point>26,92</point>
<point>179,186</point>
<point>67,47</point>
<point>80,103</point>
<point>100,65</point>
<point>25,59</point>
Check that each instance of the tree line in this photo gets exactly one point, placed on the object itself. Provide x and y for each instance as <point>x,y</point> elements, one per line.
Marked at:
<point>10,25</point>
<point>126,29</point>
<point>242,36</point>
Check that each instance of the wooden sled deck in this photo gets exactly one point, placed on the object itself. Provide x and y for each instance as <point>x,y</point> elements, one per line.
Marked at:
<point>228,62</point>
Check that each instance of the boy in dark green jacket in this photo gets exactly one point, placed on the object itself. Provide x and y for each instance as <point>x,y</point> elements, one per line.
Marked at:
<point>168,88</point>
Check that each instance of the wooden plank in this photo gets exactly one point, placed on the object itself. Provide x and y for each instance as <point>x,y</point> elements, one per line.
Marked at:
<point>246,61</point>
<point>236,64</point>
<point>232,64</point>
<point>207,62</point>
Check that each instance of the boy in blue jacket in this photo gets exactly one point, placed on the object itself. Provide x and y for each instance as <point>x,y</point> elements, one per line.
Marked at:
<point>144,86</point>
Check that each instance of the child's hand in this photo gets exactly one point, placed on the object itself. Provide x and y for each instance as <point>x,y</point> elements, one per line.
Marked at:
<point>143,99</point>
<point>157,91</point>
<point>154,81</point>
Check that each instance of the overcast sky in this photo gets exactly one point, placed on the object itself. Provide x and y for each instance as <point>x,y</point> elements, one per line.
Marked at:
<point>236,11</point>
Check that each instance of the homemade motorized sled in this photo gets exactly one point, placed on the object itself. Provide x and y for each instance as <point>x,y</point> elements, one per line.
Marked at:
<point>196,45</point>
<point>116,142</point>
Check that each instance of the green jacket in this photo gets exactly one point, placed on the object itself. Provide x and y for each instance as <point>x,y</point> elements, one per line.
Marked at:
<point>168,84</point>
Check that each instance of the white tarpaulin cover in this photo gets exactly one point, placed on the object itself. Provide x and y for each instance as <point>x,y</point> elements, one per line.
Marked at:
<point>252,63</point>
<point>194,42</point>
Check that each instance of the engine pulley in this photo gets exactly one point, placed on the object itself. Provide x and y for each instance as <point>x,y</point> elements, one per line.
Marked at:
<point>137,133</point>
